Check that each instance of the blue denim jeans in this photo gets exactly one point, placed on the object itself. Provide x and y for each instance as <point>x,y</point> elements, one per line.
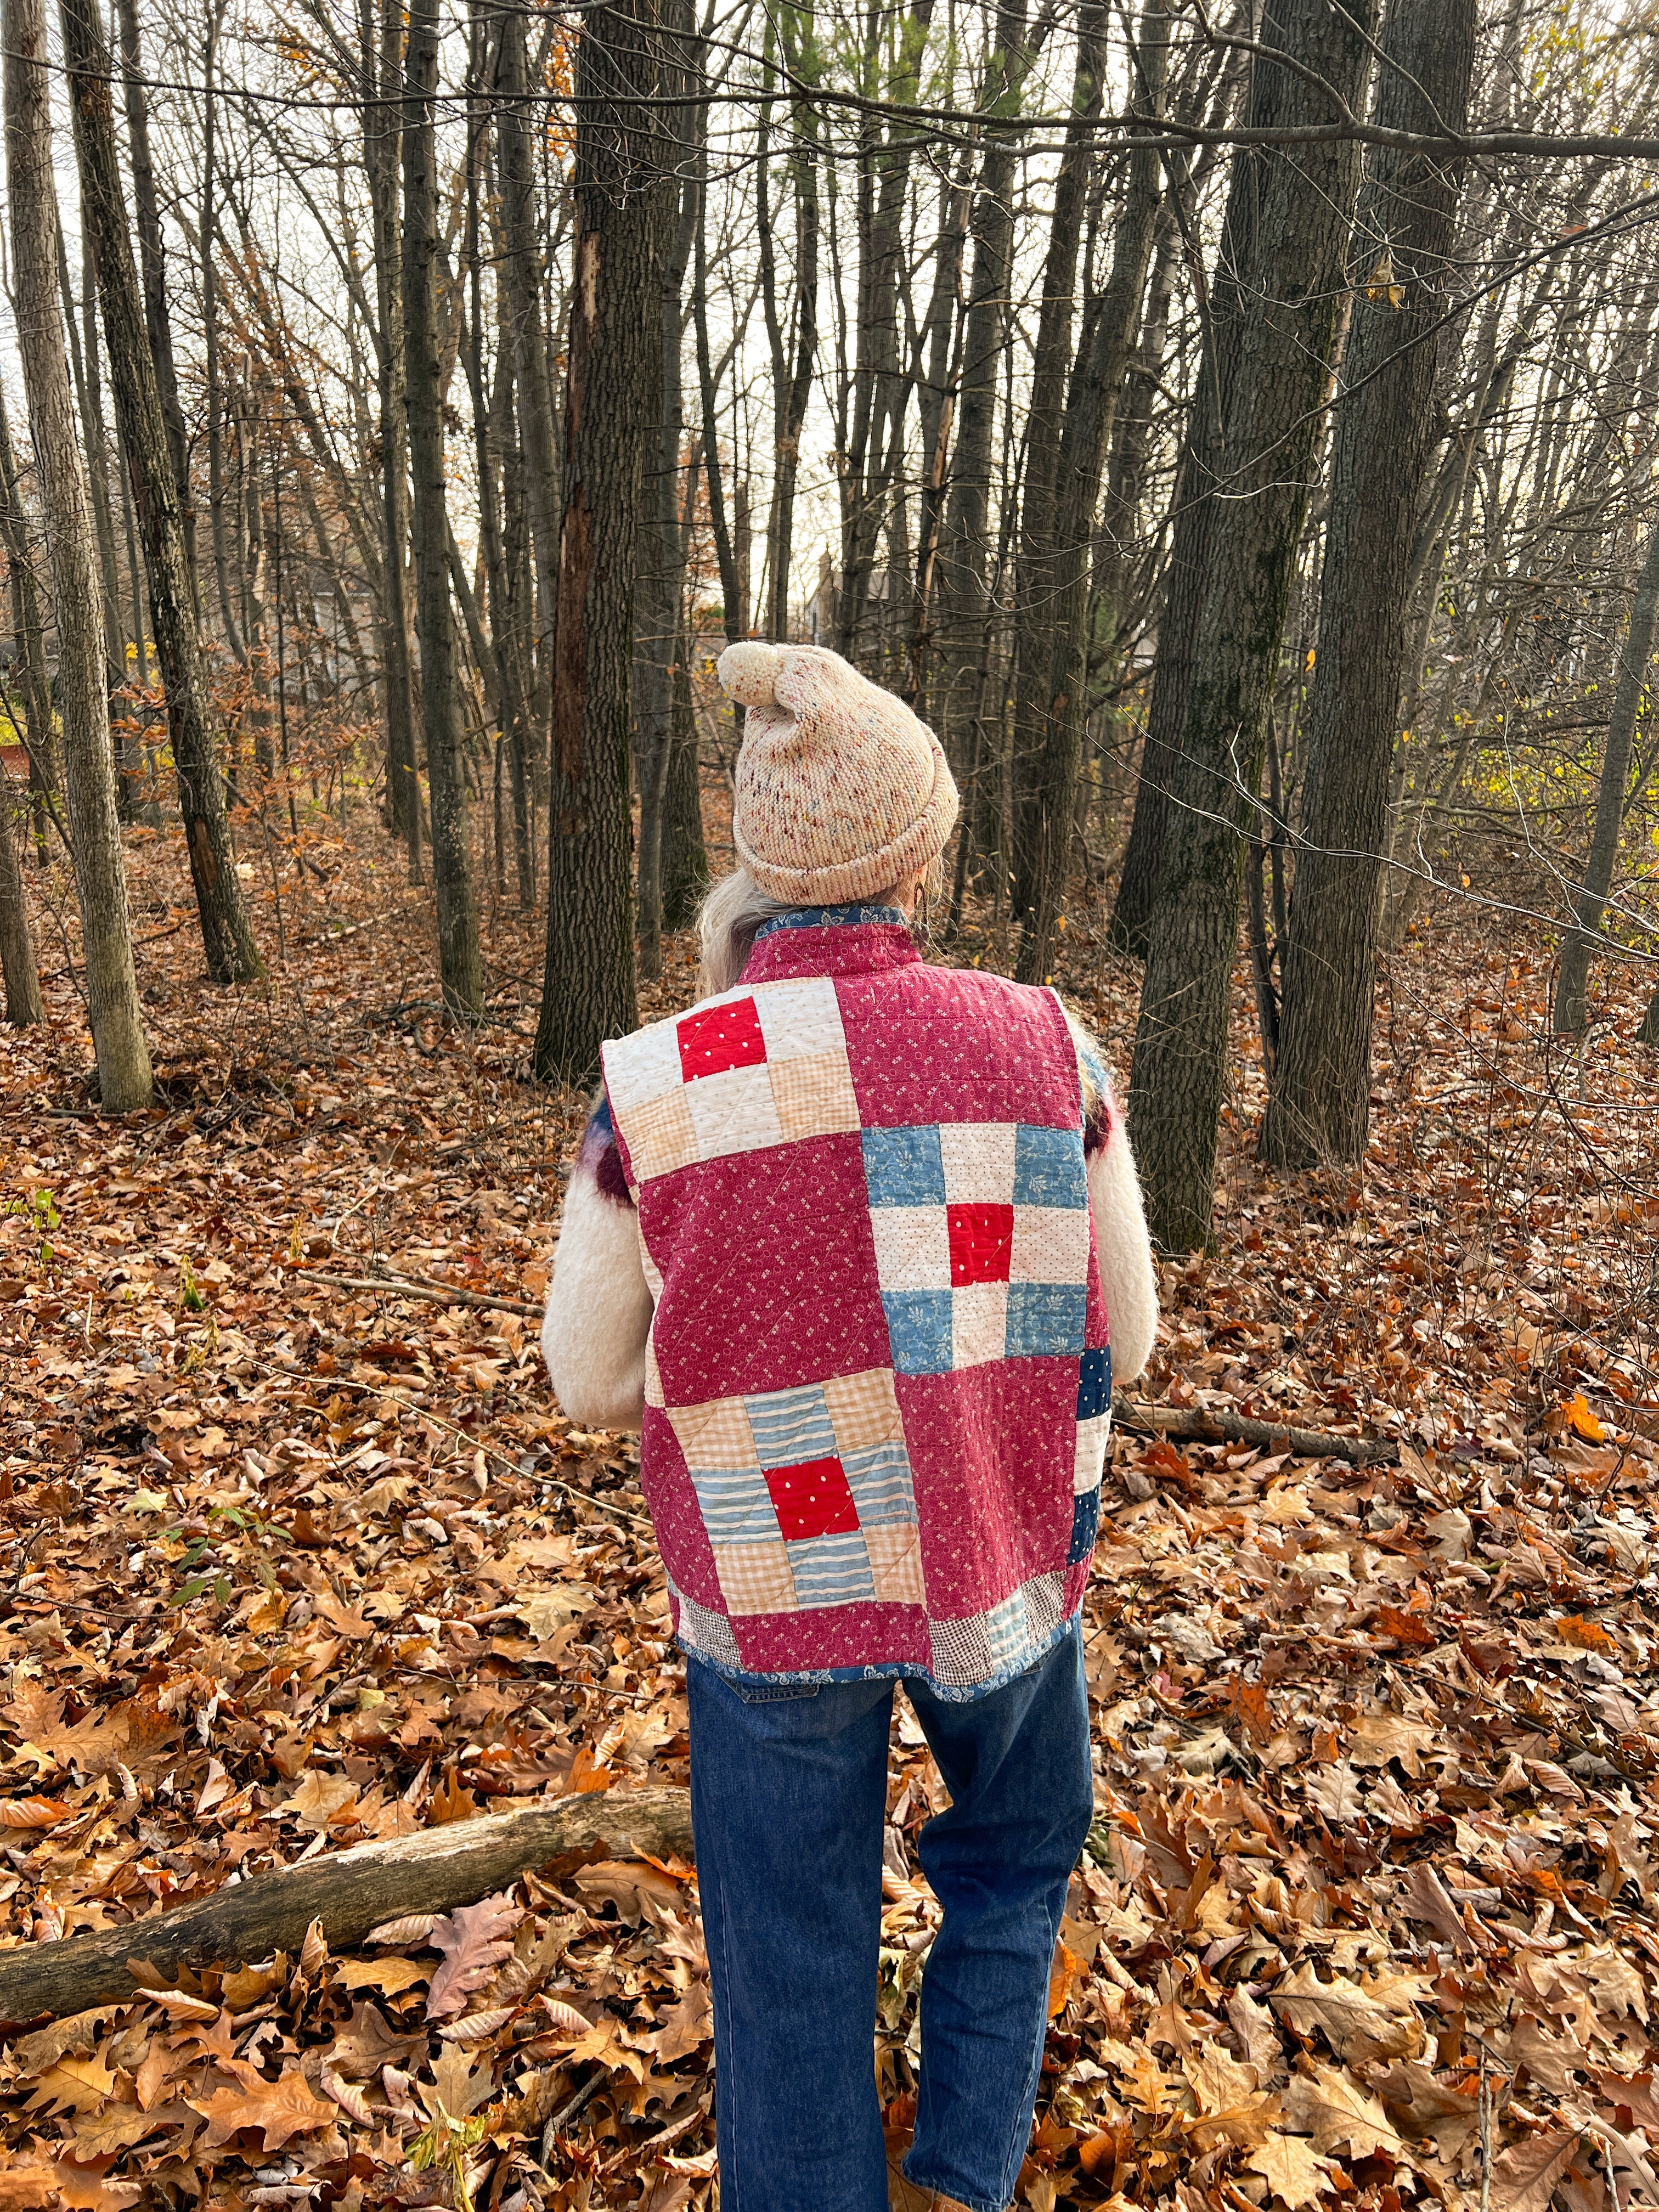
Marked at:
<point>788,1794</point>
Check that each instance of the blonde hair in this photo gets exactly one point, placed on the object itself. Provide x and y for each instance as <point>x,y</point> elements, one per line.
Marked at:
<point>736,910</point>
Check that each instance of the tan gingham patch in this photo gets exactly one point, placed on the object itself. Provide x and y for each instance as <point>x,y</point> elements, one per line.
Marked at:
<point>733,1112</point>
<point>755,1577</point>
<point>715,1434</point>
<point>896,1563</point>
<point>660,1136</point>
<point>863,1409</point>
<point>814,1095</point>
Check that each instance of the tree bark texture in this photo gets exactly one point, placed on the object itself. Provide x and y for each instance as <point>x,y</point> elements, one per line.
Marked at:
<point>961,601</point>
<point>382,48</point>
<point>28,631</point>
<point>24,1004</point>
<point>1040,508</point>
<point>1204,460</point>
<point>350,1892</point>
<point>152,264</point>
<point>661,582</point>
<point>615,334</point>
<point>1299,221</point>
<point>460,966</point>
<point>227,929</point>
<point>1635,670</point>
<point>118,1034</point>
<point>1048,750</point>
<point>518,119</point>
<point>1318,1107</point>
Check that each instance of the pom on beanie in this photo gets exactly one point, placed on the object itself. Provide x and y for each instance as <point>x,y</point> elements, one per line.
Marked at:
<point>841,792</point>
<point>748,670</point>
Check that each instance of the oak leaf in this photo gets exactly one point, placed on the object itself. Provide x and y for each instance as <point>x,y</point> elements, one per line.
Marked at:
<point>1359,2024</point>
<point>276,2110</point>
<point>1331,2107</point>
<point>1290,2169</point>
<point>1524,2177</point>
<point>475,1939</point>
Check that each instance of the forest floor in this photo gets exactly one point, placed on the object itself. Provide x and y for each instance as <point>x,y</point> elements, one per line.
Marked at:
<point>1368,1916</point>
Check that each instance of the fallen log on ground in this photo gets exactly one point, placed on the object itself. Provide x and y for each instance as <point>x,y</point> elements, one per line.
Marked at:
<point>350,1892</point>
<point>1210,1425</point>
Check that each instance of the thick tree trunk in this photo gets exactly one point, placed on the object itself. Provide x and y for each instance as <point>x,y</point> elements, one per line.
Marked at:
<point>460,964</point>
<point>1301,216</point>
<point>615,334</point>
<point>1048,750</point>
<point>153,268</point>
<point>1635,672</point>
<point>661,561</point>
<point>118,1034</point>
<point>1318,1107</point>
<point>226,930</point>
<point>1204,460</point>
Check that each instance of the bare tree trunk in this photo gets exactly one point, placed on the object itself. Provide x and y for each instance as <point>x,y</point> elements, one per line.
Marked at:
<point>210,336</point>
<point>24,1004</point>
<point>382,59</point>
<point>797,31</point>
<point>616,336</point>
<point>964,539</point>
<point>29,636</point>
<point>1040,507</point>
<point>1635,670</point>
<point>1318,1107</point>
<point>227,930</point>
<point>460,965</point>
<point>1301,218</point>
<point>661,565</point>
<point>153,269</point>
<point>118,1034</point>
<point>519,125</point>
<point>1049,751</point>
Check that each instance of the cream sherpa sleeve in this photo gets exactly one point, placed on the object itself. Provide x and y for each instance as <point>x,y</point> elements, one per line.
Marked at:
<point>599,1305</point>
<point>1128,1276</point>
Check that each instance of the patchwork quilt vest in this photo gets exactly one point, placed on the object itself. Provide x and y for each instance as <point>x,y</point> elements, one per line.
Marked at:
<point>878,1387</point>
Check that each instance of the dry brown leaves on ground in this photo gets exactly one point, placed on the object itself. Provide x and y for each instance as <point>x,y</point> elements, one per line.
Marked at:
<point>1367,1915</point>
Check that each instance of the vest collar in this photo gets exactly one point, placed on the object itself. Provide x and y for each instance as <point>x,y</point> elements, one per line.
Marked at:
<point>833,940</point>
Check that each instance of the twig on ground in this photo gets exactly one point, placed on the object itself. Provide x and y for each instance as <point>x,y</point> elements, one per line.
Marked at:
<point>1209,1424</point>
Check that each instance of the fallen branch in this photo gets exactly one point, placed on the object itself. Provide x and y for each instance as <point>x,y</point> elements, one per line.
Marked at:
<point>1207,1424</point>
<point>349,1893</point>
<point>400,1286</point>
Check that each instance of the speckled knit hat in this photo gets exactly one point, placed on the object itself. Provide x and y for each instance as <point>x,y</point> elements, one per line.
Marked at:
<point>842,793</point>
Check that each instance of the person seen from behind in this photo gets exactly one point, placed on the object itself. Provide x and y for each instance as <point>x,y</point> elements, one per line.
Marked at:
<point>857,1244</point>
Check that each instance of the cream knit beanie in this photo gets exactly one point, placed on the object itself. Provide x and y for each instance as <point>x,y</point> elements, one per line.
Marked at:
<point>841,792</point>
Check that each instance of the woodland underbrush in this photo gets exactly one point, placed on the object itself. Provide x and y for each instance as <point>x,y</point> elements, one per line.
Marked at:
<point>292,1556</point>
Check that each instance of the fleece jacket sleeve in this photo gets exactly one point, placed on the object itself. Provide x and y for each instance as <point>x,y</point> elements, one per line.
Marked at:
<point>599,1305</point>
<point>1128,1276</point>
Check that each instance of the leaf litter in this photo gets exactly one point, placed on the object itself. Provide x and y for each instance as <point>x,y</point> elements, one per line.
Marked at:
<point>1367,1914</point>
